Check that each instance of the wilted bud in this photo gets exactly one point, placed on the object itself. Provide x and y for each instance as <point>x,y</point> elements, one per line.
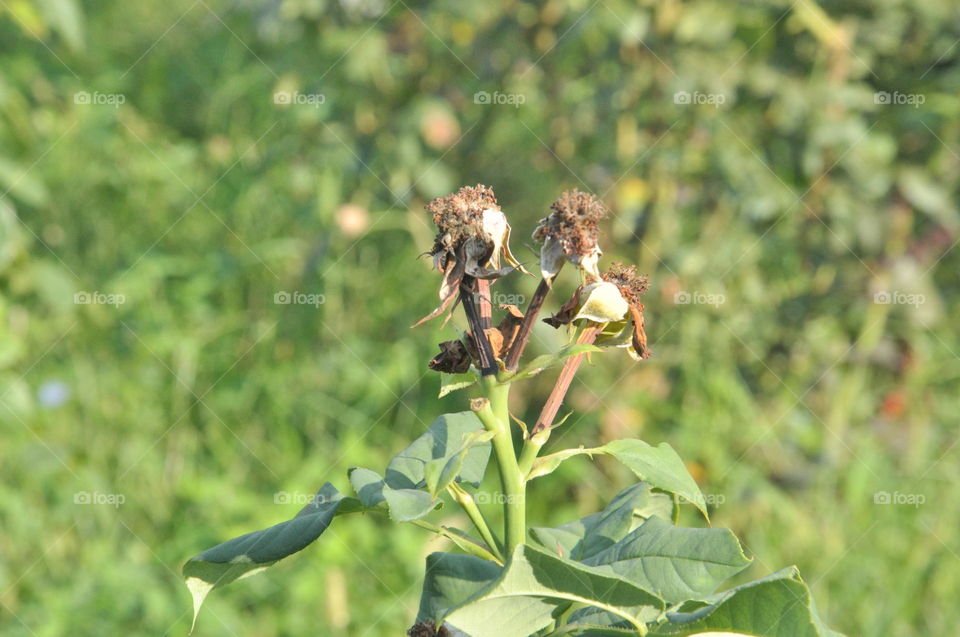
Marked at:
<point>570,233</point>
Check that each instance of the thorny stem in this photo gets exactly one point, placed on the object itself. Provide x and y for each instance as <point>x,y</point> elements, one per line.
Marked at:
<point>526,327</point>
<point>469,506</point>
<point>493,413</point>
<point>469,288</point>
<point>550,408</point>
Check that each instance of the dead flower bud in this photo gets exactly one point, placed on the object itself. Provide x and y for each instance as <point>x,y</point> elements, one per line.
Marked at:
<point>614,304</point>
<point>569,233</point>
<point>472,237</point>
<point>452,359</point>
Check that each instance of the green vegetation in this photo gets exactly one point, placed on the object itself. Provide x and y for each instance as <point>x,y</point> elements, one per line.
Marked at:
<point>798,238</point>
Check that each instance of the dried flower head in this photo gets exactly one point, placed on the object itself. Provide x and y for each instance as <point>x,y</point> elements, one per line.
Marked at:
<point>459,217</point>
<point>613,304</point>
<point>473,235</point>
<point>630,284</point>
<point>570,233</point>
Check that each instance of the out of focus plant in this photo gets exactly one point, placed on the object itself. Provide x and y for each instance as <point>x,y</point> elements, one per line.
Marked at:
<point>627,569</point>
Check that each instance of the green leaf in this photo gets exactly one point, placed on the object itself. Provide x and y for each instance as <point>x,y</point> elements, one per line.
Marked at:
<point>248,554</point>
<point>443,442</point>
<point>546,361</point>
<point>453,382</point>
<point>404,505</point>
<point>588,536</point>
<point>522,598</point>
<point>777,605</point>
<point>675,563</point>
<point>660,466</point>
<point>440,472</point>
<point>451,579</point>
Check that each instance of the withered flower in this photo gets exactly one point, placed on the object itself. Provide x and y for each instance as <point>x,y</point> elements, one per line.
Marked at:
<point>612,306</point>
<point>631,286</point>
<point>472,237</point>
<point>569,233</point>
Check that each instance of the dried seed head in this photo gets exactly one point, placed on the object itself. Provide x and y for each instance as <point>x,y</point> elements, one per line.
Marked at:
<point>459,216</point>
<point>631,284</point>
<point>571,232</point>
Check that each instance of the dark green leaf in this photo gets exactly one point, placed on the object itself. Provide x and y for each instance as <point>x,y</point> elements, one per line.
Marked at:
<point>660,466</point>
<point>675,563</point>
<point>587,536</point>
<point>443,442</point>
<point>522,598</point>
<point>779,605</point>
<point>245,555</point>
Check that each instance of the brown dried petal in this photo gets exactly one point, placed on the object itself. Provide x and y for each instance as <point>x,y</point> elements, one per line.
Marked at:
<point>639,341</point>
<point>452,359</point>
<point>509,327</point>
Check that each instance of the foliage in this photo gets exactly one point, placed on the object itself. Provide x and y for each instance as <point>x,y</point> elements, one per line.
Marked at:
<point>800,403</point>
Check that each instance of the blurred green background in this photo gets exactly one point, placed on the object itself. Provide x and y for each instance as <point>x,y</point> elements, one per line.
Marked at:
<point>786,172</point>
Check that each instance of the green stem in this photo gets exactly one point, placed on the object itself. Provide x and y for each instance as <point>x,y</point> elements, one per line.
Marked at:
<point>469,506</point>
<point>470,547</point>
<point>531,449</point>
<point>494,414</point>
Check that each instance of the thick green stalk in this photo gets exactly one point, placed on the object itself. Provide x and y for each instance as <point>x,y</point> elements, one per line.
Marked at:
<point>493,413</point>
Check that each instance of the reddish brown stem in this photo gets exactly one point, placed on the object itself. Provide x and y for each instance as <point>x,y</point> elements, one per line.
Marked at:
<point>471,307</point>
<point>526,327</point>
<point>552,406</point>
<point>486,305</point>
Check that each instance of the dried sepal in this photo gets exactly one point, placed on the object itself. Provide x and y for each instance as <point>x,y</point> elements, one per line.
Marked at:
<point>452,359</point>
